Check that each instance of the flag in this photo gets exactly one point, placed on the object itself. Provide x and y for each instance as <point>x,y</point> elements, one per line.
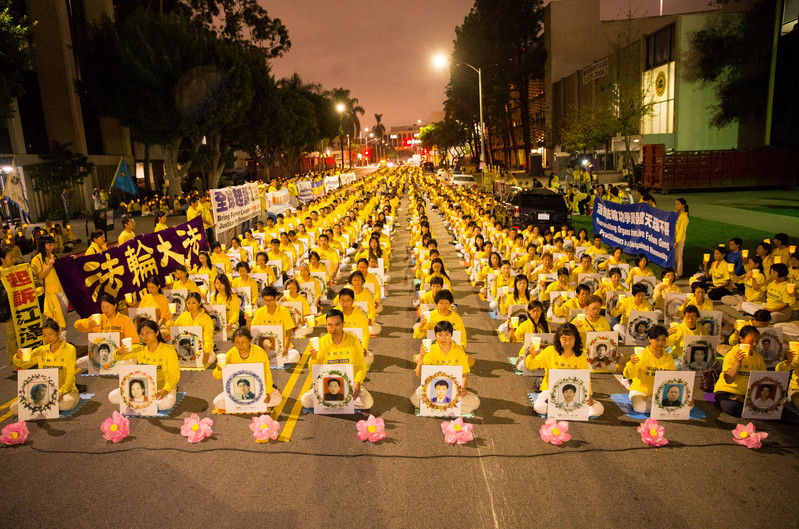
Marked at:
<point>13,190</point>
<point>123,179</point>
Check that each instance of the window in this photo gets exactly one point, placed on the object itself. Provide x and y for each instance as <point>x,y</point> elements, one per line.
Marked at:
<point>660,47</point>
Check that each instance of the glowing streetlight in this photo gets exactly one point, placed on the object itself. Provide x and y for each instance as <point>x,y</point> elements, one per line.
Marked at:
<point>440,61</point>
<point>340,109</point>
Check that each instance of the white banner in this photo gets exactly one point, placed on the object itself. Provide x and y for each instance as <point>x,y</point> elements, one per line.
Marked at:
<point>331,183</point>
<point>233,205</point>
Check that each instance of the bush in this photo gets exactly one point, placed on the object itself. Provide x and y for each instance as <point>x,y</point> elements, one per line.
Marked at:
<point>56,214</point>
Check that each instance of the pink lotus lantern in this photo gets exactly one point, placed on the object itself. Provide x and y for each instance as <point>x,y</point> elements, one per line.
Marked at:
<point>264,428</point>
<point>743,435</point>
<point>555,432</point>
<point>652,433</point>
<point>371,429</point>
<point>195,429</point>
<point>14,434</point>
<point>115,428</point>
<point>457,432</point>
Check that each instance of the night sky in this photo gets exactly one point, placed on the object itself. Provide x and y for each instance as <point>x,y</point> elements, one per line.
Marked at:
<point>381,50</point>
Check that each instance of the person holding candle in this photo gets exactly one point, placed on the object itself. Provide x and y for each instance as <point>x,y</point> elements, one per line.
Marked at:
<point>195,314</point>
<point>636,302</point>
<point>565,353</point>
<point>688,327</point>
<point>55,353</point>
<point>273,314</point>
<point>155,298</point>
<point>739,362</point>
<point>616,259</point>
<point>443,311</point>
<point>791,363</point>
<point>781,249</point>
<point>562,307</point>
<point>759,320</point>
<point>753,284</point>
<point>666,286</point>
<point>108,320</point>
<point>224,295</point>
<point>719,275</point>
<point>445,352</point>
<point>698,299</point>
<point>642,367</point>
<point>154,351</point>
<point>246,352</point>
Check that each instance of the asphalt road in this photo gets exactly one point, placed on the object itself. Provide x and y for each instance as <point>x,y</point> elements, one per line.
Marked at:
<point>67,475</point>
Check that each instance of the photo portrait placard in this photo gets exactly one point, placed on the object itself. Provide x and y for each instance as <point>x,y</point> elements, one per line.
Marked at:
<point>699,352</point>
<point>37,394</point>
<point>202,280</point>
<point>102,347</point>
<point>649,282</point>
<point>557,297</point>
<point>178,297</point>
<point>441,391</point>
<point>139,316</point>
<point>672,395</point>
<point>765,395</point>
<point>547,339</point>
<point>295,308</point>
<point>712,320</point>
<point>671,304</point>
<point>218,315</point>
<point>263,281</point>
<point>568,394</point>
<point>244,295</point>
<point>333,389</point>
<point>770,345</point>
<point>308,289</point>
<point>601,351</point>
<point>639,323</point>
<point>188,342</point>
<point>592,281</point>
<point>137,390</point>
<point>270,339</point>
<point>245,388</point>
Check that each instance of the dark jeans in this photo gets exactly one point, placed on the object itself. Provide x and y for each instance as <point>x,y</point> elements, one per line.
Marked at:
<point>717,293</point>
<point>730,407</point>
<point>209,235</point>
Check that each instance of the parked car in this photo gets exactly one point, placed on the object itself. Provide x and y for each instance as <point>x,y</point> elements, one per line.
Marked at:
<point>463,180</point>
<point>428,167</point>
<point>540,207</point>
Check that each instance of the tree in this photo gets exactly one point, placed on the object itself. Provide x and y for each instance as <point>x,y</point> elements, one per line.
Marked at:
<point>446,136</point>
<point>379,131</point>
<point>59,169</point>
<point>350,123</point>
<point>15,57</point>
<point>732,54</point>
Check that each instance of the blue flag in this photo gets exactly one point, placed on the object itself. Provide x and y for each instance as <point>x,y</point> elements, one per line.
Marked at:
<point>123,179</point>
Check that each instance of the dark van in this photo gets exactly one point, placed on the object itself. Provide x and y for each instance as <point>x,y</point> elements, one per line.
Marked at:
<point>517,207</point>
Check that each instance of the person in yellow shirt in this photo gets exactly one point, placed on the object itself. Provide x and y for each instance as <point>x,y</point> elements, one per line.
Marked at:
<point>759,320</point>
<point>597,248</point>
<point>157,300</point>
<point>562,307</point>
<point>444,352</point>
<point>354,318</point>
<point>195,314</point>
<point>753,282</point>
<point>153,351</point>
<point>592,320</point>
<point>437,270</point>
<point>642,367</point>
<point>108,320</point>
<point>273,314</point>
<point>42,266</point>
<point>536,323</point>
<point>244,280</point>
<point>614,261</point>
<point>697,299</point>
<point>237,251</point>
<point>584,268</point>
<point>666,286</point>
<point>55,353</point>
<point>208,218</point>
<point>261,267</point>
<point>224,295</point>
<point>339,347</point>
<point>561,285</point>
<point>719,275</point>
<point>778,299</point>
<point>614,284</point>
<point>503,283</point>
<point>98,243</point>
<point>636,302</point>
<point>443,311</point>
<point>218,256</point>
<point>681,207</point>
<point>739,362</point>
<point>791,363</point>
<point>251,242</point>
<point>182,280</point>
<point>127,233</point>
<point>566,353</point>
<point>205,268</point>
<point>688,327</point>
<point>245,352</point>
<point>160,221</point>
<point>275,254</point>
<point>640,270</point>
<point>324,251</point>
<point>292,294</point>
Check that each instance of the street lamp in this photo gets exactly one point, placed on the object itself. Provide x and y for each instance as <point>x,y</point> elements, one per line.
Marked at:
<point>340,109</point>
<point>440,61</point>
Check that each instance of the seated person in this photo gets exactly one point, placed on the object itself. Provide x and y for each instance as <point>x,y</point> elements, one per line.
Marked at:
<point>791,363</point>
<point>730,390</point>
<point>246,352</point>
<point>347,349</point>
<point>642,367</point>
<point>443,311</point>
<point>445,352</point>
<point>273,314</point>
<point>636,302</point>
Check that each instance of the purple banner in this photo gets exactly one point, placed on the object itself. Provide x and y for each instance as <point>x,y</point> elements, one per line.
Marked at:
<point>124,269</point>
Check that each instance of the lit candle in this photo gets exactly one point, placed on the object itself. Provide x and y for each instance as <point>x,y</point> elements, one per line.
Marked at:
<point>745,253</point>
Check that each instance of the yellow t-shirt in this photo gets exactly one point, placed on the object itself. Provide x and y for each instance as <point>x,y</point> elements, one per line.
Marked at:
<point>63,359</point>
<point>753,362</point>
<point>435,317</point>
<point>257,356</point>
<point>642,373</point>
<point>164,356</point>
<point>125,236</point>
<point>455,357</point>
<point>349,351</point>
<point>549,358</point>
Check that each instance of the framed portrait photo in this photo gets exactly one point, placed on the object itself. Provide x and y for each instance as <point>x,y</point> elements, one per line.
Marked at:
<point>671,304</point>
<point>333,389</point>
<point>601,351</point>
<point>218,315</point>
<point>245,389</point>
<point>672,395</point>
<point>270,339</point>
<point>137,390</point>
<point>712,320</point>
<point>308,289</point>
<point>295,309</point>
<point>178,297</point>
<point>765,395</point>
<point>554,297</point>
<point>592,281</point>
<point>244,295</point>
<point>649,282</point>
<point>699,352</point>
<point>441,391</point>
<point>770,345</point>
<point>188,342</point>
<point>102,347</point>
<point>202,280</point>
<point>639,323</point>
<point>37,394</point>
<point>139,316</point>
<point>568,394</point>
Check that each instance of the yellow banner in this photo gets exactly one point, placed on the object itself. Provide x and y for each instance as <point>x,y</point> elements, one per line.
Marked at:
<point>25,312</point>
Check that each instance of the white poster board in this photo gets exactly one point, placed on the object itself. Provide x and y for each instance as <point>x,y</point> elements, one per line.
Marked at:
<point>765,395</point>
<point>770,345</point>
<point>140,315</point>
<point>333,387</point>
<point>672,395</point>
<point>37,394</point>
<point>639,323</point>
<point>441,391</point>
<point>592,281</point>
<point>295,308</point>
<point>671,304</point>
<point>202,280</point>
<point>568,394</point>
<point>218,315</point>
<point>601,351</point>
<point>245,388</point>
<point>102,347</point>
<point>244,295</point>
<point>188,342</point>
<point>712,320</point>
<point>699,352</point>
<point>649,282</point>
<point>270,339</point>
<point>137,389</point>
<point>178,297</point>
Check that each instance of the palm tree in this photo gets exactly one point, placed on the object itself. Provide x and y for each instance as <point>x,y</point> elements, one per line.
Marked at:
<point>350,123</point>
<point>379,130</point>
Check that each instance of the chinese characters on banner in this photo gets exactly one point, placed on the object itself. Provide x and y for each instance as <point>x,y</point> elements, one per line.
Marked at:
<point>233,205</point>
<point>25,313</point>
<point>125,268</point>
<point>637,228</point>
<point>317,188</point>
<point>304,190</point>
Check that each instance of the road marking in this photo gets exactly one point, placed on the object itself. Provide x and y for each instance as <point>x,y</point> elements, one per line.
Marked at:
<point>290,384</point>
<point>6,416</point>
<point>7,404</point>
<point>288,428</point>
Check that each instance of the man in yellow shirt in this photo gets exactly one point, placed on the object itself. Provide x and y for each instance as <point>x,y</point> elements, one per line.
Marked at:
<point>194,208</point>
<point>276,255</point>
<point>273,314</point>
<point>98,243</point>
<point>127,233</point>
<point>339,347</point>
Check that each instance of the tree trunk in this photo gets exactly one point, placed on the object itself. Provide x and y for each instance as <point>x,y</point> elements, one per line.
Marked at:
<point>171,161</point>
<point>147,184</point>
